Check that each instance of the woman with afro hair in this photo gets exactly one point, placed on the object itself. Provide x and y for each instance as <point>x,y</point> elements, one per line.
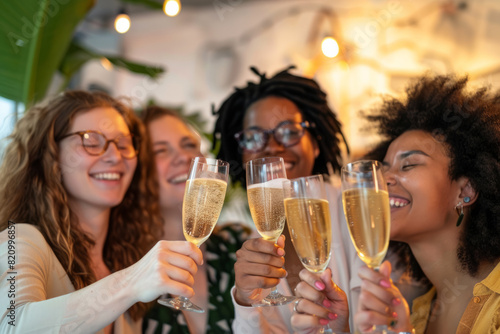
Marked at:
<point>441,153</point>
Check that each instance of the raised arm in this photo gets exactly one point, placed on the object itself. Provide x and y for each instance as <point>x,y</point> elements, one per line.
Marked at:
<point>45,300</point>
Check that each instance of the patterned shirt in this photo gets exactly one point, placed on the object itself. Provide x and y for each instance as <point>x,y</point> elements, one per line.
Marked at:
<point>220,256</point>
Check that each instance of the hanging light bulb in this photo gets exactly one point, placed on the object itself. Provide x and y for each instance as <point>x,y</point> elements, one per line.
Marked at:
<point>122,22</point>
<point>172,7</point>
<point>330,47</point>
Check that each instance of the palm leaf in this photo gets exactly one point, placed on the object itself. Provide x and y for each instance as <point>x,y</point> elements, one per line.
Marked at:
<point>77,55</point>
<point>34,37</point>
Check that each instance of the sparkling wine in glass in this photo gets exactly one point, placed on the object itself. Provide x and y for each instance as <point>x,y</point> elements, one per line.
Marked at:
<point>265,178</point>
<point>366,207</point>
<point>308,219</point>
<point>203,199</point>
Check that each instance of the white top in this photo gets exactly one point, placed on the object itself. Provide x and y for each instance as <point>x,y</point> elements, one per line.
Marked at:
<point>344,264</point>
<point>42,289</point>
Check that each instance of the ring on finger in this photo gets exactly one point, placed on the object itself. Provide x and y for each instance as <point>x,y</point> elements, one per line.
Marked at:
<point>295,307</point>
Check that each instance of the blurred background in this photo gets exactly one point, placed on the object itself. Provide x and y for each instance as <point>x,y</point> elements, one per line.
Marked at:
<point>358,50</point>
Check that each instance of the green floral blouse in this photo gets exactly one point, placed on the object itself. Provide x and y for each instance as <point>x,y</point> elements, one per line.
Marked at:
<point>220,257</point>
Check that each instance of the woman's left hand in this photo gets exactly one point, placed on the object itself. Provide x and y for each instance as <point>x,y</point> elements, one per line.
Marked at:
<point>322,303</point>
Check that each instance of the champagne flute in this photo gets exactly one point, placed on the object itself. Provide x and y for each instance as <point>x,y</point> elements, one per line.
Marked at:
<point>203,198</point>
<point>308,219</point>
<point>366,207</point>
<point>265,178</point>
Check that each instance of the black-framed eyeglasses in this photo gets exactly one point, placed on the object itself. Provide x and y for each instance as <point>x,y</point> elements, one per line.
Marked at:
<point>95,143</point>
<point>287,133</point>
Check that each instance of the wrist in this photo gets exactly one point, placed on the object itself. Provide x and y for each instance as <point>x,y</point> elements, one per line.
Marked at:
<point>241,299</point>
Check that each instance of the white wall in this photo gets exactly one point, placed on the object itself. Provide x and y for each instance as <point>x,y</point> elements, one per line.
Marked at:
<point>384,51</point>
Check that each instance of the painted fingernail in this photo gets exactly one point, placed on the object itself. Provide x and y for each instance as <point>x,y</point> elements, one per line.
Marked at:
<point>326,303</point>
<point>323,322</point>
<point>320,285</point>
<point>384,283</point>
<point>280,251</point>
<point>332,316</point>
<point>394,315</point>
<point>396,301</point>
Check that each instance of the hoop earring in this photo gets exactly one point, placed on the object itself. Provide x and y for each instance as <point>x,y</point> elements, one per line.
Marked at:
<point>460,211</point>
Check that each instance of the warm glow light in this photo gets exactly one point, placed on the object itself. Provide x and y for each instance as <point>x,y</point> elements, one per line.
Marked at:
<point>122,23</point>
<point>330,47</point>
<point>106,63</point>
<point>172,7</point>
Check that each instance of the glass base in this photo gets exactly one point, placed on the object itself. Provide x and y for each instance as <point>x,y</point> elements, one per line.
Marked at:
<point>275,299</point>
<point>180,303</point>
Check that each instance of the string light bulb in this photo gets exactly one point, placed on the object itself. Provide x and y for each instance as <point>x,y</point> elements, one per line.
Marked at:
<point>172,7</point>
<point>122,22</point>
<point>330,47</point>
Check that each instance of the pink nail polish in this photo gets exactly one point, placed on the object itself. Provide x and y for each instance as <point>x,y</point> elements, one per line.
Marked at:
<point>319,285</point>
<point>326,303</point>
<point>323,322</point>
<point>385,284</point>
<point>394,315</point>
<point>396,301</point>
<point>332,316</point>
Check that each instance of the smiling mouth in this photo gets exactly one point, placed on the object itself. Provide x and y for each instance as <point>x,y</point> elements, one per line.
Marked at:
<point>178,179</point>
<point>289,165</point>
<point>107,176</point>
<point>395,202</point>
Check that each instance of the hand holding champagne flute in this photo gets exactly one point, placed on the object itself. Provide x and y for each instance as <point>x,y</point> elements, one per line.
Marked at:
<point>308,219</point>
<point>203,199</point>
<point>265,178</point>
<point>366,207</point>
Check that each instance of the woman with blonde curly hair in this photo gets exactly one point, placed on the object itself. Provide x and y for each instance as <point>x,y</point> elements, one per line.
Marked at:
<point>79,220</point>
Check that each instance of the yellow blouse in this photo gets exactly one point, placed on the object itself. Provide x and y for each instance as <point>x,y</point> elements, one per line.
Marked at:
<point>482,315</point>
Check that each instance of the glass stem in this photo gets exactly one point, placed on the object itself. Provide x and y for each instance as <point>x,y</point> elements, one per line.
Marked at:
<point>274,294</point>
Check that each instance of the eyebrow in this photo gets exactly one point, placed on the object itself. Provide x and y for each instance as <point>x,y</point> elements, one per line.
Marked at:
<point>412,152</point>
<point>406,155</point>
<point>162,142</point>
<point>189,138</point>
<point>183,140</point>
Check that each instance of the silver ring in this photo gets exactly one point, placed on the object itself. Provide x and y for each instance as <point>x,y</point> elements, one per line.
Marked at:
<point>295,307</point>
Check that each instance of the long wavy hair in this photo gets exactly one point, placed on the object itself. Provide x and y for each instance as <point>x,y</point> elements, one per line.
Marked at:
<point>31,190</point>
<point>468,125</point>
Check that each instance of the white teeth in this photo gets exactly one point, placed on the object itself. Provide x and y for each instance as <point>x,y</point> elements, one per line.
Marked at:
<point>107,176</point>
<point>288,165</point>
<point>179,179</point>
<point>397,204</point>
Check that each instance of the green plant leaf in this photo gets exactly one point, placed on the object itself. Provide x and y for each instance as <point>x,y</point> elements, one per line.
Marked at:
<point>150,3</point>
<point>77,55</point>
<point>34,36</point>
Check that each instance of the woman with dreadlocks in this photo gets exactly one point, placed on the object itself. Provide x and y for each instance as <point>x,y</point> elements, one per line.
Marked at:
<point>287,116</point>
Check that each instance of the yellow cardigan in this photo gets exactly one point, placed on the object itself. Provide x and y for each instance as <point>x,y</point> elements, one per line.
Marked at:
<point>482,315</point>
